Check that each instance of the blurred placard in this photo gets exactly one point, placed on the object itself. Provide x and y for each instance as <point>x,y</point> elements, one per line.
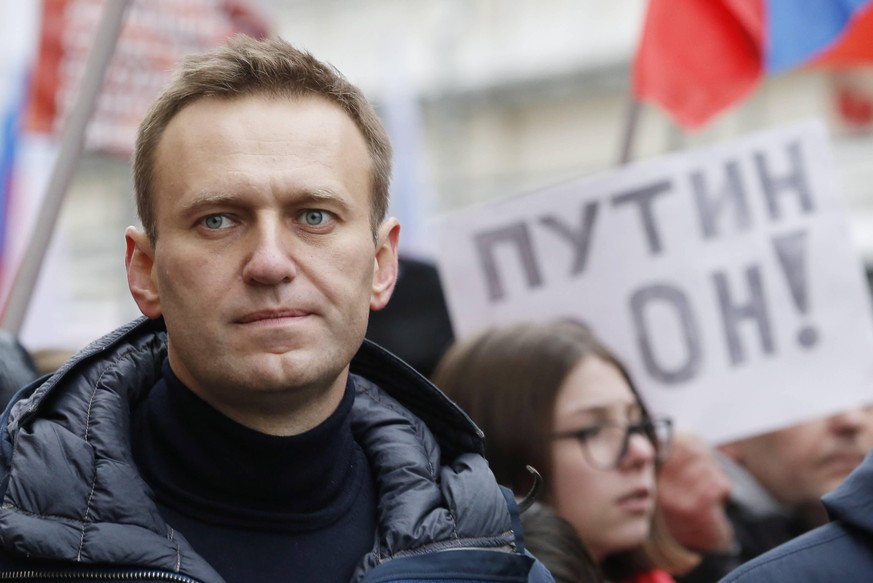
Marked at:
<point>155,35</point>
<point>724,278</point>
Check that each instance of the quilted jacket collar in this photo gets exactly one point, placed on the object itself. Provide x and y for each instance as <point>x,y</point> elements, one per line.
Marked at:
<point>435,489</point>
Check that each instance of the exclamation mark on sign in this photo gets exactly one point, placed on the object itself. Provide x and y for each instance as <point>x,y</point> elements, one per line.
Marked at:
<point>791,251</point>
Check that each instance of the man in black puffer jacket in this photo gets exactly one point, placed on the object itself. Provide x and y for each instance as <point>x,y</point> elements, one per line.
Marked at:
<point>241,431</point>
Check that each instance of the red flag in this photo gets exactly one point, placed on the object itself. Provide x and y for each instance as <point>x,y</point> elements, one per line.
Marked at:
<point>696,57</point>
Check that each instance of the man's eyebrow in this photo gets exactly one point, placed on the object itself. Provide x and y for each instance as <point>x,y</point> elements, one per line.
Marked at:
<point>314,196</point>
<point>322,195</point>
<point>207,199</point>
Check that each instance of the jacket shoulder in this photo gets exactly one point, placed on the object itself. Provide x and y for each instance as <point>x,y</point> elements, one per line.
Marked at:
<point>833,552</point>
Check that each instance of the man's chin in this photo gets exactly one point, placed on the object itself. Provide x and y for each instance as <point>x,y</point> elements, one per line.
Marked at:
<point>286,371</point>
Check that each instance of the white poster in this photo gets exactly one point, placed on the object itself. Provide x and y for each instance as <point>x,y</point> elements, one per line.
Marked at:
<point>724,278</point>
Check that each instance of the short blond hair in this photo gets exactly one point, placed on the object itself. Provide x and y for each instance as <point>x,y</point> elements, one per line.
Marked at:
<point>245,66</point>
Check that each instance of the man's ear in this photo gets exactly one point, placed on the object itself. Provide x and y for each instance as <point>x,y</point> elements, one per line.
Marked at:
<point>139,260</point>
<point>385,272</point>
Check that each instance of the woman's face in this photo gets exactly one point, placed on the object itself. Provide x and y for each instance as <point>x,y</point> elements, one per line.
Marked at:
<point>610,509</point>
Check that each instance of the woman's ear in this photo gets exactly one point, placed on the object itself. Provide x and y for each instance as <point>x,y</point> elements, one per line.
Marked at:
<point>139,261</point>
<point>385,271</point>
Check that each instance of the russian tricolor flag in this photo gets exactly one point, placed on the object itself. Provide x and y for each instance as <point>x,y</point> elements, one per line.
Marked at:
<point>697,57</point>
<point>10,124</point>
<point>18,33</point>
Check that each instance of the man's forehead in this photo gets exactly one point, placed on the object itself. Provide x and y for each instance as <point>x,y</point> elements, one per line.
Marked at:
<point>213,114</point>
<point>216,146</point>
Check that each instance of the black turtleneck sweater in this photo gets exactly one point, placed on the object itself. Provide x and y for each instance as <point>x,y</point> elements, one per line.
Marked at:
<point>257,507</point>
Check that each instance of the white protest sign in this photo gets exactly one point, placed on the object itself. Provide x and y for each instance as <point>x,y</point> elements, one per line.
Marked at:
<point>724,278</point>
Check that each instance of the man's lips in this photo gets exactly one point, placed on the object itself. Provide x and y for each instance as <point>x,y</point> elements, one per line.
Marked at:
<point>270,315</point>
<point>843,462</point>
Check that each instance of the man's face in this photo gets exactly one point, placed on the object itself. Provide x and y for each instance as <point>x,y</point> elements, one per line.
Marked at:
<point>801,463</point>
<point>264,268</point>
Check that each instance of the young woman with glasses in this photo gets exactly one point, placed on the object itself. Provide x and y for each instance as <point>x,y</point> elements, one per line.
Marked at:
<point>552,396</point>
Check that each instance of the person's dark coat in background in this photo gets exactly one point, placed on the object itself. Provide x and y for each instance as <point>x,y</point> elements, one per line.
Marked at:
<point>841,550</point>
<point>415,325</point>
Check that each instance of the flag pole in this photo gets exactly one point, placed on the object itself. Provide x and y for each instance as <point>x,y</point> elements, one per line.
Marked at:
<point>629,133</point>
<point>72,144</point>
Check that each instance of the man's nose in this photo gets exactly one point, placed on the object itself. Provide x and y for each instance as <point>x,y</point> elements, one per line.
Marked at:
<point>269,260</point>
<point>851,420</point>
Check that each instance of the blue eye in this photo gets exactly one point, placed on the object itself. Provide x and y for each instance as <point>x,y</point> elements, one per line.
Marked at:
<point>215,221</point>
<point>315,218</point>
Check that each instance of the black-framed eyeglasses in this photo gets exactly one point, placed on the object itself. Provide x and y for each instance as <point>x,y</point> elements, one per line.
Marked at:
<point>605,444</point>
